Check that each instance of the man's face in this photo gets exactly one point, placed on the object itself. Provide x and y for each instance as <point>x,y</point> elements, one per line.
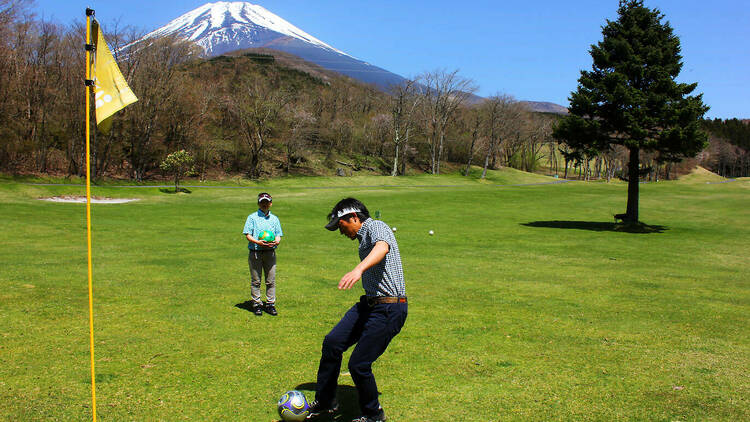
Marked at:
<point>350,227</point>
<point>265,206</point>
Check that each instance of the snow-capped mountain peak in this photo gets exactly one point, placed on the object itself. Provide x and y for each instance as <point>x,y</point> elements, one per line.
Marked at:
<point>214,24</point>
<point>226,26</point>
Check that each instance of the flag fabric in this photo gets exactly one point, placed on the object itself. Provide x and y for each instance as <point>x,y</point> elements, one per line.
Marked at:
<point>111,92</point>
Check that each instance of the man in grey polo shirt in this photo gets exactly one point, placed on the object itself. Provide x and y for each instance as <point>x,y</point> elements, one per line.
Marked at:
<point>373,321</point>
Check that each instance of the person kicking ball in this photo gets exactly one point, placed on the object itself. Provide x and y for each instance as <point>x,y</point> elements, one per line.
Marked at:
<point>372,322</point>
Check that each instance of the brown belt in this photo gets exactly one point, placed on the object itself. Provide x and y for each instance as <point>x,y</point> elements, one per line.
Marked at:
<point>374,300</point>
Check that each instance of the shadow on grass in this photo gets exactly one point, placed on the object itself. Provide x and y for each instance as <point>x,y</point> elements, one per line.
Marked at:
<point>598,226</point>
<point>246,305</point>
<point>172,191</point>
<point>346,396</point>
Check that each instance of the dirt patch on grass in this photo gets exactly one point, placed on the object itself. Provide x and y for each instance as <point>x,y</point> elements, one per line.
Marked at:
<point>94,199</point>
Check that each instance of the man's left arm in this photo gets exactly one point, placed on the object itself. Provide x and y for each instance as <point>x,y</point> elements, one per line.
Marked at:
<point>376,255</point>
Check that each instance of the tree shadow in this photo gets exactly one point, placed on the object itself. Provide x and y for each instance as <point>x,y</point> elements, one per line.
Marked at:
<point>640,228</point>
<point>346,396</point>
<point>172,191</point>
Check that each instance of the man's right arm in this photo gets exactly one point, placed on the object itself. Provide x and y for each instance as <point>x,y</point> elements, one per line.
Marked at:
<point>376,255</point>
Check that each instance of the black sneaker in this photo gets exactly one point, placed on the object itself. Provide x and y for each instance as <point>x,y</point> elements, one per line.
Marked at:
<point>318,410</point>
<point>271,309</point>
<point>380,417</point>
<point>257,309</point>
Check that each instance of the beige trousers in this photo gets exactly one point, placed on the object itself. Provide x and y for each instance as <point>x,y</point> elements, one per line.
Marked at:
<point>262,262</point>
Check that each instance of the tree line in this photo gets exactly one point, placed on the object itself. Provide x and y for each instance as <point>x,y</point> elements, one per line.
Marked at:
<point>261,114</point>
<point>728,153</point>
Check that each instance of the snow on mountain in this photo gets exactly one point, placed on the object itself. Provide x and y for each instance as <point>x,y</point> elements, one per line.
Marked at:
<point>224,26</point>
<point>216,26</point>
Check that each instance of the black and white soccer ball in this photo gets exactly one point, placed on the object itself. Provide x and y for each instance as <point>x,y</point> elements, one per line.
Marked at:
<point>293,406</point>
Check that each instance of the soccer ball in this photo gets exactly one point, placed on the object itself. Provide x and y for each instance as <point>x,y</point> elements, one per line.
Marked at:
<point>267,236</point>
<point>293,406</point>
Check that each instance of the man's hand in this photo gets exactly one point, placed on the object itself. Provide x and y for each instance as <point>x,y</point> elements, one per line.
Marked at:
<point>349,279</point>
<point>376,255</point>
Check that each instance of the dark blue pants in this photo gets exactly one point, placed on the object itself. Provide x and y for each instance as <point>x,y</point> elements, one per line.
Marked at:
<point>371,328</point>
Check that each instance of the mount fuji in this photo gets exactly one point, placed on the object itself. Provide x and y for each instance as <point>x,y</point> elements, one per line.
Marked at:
<point>223,27</point>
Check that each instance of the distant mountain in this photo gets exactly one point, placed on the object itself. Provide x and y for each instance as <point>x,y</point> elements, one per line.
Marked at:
<point>545,107</point>
<point>223,27</point>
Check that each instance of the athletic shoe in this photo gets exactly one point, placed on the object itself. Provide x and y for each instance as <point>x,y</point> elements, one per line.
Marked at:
<point>271,309</point>
<point>318,410</point>
<point>380,417</point>
<point>257,309</point>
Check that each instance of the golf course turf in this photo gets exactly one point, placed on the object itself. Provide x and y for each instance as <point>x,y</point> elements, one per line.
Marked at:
<point>527,303</point>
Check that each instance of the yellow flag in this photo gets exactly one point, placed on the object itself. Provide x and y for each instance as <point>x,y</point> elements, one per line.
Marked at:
<point>111,92</point>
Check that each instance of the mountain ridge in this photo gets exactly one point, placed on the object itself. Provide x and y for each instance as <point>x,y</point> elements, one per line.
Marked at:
<point>222,27</point>
<point>225,26</point>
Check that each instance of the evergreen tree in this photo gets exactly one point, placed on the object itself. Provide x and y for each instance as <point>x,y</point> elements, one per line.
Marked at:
<point>631,98</point>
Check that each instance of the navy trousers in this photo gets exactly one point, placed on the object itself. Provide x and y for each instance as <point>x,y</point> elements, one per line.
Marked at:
<point>372,329</point>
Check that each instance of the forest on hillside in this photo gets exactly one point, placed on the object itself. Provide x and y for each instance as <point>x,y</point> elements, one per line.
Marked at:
<point>264,114</point>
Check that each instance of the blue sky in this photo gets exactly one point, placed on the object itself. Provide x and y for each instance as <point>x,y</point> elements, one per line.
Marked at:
<point>532,50</point>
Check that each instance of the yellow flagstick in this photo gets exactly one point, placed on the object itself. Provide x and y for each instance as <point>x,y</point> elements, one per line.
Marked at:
<point>89,13</point>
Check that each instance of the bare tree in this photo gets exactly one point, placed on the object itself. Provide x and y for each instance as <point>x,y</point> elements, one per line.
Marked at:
<point>443,93</point>
<point>502,119</point>
<point>381,131</point>
<point>16,29</point>
<point>538,130</point>
<point>474,120</point>
<point>256,107</point>
<point>404,102</point>
<point>302,123</point>
<point>156,81</point>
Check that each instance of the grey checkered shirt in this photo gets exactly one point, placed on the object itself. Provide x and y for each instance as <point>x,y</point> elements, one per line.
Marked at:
<point>386,278</point>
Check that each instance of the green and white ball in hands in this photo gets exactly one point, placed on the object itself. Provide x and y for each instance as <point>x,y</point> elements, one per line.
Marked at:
<point>266,235</point>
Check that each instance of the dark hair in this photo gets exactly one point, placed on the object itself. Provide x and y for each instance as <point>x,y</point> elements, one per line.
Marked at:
<point>363,215</point>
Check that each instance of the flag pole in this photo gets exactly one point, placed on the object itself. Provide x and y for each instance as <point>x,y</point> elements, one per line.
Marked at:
<point>89,84</point>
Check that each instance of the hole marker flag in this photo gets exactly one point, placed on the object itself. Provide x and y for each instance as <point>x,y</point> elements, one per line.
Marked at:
<point>111,92</point>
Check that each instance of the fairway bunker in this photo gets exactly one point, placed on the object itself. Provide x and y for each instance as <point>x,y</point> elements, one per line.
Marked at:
<point>94,200</point>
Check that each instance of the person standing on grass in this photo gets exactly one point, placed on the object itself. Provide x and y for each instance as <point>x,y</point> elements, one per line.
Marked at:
<point>262,254</point>
<point>373,321</point>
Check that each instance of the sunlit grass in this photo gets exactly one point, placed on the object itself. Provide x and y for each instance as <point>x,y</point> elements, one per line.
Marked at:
<point>526,304</point>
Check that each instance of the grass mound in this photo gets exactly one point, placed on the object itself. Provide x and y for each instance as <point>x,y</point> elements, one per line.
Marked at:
<point>701,175</point>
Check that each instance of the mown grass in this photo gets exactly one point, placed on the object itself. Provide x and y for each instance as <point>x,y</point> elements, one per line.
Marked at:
<point>526,304</point>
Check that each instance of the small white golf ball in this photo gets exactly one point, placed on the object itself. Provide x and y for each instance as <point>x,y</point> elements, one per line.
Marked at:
<point>431,232</point>
<point>394,229</point>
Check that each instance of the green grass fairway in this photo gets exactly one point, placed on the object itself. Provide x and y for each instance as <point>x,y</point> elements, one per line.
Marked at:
<point>526,304</point>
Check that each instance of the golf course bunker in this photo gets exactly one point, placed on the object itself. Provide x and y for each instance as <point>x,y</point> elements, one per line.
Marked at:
<point>94,200</point>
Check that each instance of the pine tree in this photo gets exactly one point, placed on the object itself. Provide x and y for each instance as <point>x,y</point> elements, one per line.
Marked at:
<point>631,97</point>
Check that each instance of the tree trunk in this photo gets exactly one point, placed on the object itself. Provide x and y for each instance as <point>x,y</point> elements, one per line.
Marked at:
<point>394,172</point>
<point>440,152</point>
<point>484,169</point>
<point>633,185</point>
<point>397,141</point>
<point>471,152</point>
